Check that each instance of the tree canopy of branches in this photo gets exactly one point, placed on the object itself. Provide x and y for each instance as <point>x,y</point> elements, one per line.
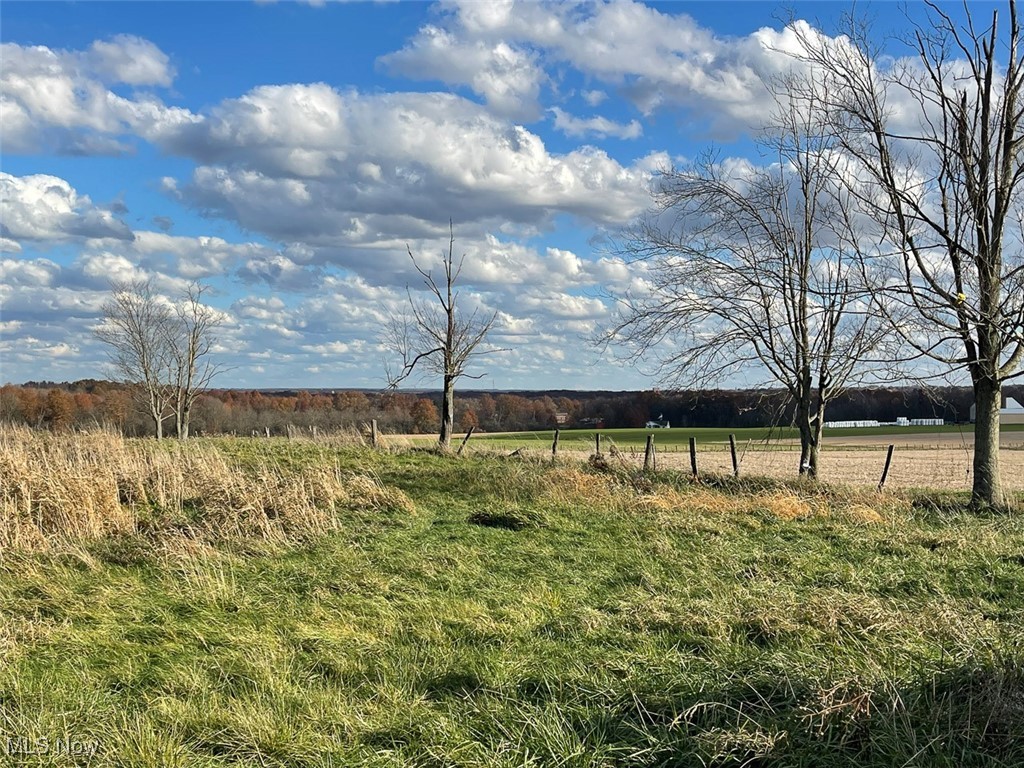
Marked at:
<point>191,346</point>
<point>161,348</point>
<point>935,142</point>
<point>747,267</point>
<point>436,336</point>
<point>137,327</point>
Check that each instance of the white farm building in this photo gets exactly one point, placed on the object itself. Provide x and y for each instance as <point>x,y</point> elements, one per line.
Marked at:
<point>1012,412</point>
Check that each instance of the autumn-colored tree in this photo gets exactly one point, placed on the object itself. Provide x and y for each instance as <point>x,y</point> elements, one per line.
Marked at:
<point>59,410</point>
<point>114,407</point>
<point>10,405</point>
<point>468,420</point>
<point>424,415</point>
<point>32,405</point>
<point>351,401</point>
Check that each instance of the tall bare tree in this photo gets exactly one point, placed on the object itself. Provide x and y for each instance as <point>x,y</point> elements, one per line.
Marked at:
<point>138,329</point>
<point>748,268</point>
<point>936,142</point>
<point>436,336</point>
<point>161,348</point>
<point>192,342</point>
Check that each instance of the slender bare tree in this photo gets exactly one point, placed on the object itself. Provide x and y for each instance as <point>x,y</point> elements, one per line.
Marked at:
<point>747,268</point>
<point>936,144</point>
<point>138,329</point>
<point>192,341</point>
<point>161,349</point>
<point>435,336</point>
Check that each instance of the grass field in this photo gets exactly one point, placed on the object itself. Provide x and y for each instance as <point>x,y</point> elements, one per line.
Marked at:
<point>405,609</point>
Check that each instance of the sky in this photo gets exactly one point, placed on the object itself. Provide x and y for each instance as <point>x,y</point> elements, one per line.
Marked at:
<point>288,154</point>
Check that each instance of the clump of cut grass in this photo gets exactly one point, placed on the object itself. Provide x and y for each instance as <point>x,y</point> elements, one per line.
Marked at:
<point>66,488</point>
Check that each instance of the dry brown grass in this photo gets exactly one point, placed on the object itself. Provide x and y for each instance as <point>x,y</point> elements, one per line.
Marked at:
<point>673,504</point>
<point>566,485</point>
<point>67,488</point>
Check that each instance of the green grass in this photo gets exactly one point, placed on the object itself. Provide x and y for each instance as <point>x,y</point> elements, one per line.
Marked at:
<point>529,616</point>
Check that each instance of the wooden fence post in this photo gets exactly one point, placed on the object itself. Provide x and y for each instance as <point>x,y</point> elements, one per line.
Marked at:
<point>554,445</point>
<point>649,453</point>
<point>465,440</point>
<point>693,456</point>
<point>373,433</point>
<point>732,450</point>
<point>597,443</point>
<point>885,470</point>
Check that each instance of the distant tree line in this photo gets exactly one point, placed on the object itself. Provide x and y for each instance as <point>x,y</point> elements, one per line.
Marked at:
<point>91,402</point>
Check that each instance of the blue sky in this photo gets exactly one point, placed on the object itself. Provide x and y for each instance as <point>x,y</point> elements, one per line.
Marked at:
<point>286,153</point>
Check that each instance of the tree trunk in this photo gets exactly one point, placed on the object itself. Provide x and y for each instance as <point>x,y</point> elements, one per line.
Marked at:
<point>805,449</point>
<point>183,423</point>
<point>447,414</point>
<point>815,442</point>
<point>988,489</point>
<point>809,424</point>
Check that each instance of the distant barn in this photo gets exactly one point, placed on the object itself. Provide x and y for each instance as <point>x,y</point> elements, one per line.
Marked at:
<point>1012,412</point>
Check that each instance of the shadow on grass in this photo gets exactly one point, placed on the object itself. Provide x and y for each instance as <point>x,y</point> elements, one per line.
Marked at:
<point>964,716</point>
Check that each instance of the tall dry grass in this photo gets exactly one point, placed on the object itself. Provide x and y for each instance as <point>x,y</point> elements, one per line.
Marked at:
<point>630,493</point>
<point>68,488</point>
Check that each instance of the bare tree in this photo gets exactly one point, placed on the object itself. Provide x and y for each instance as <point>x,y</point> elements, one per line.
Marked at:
<point>435,336</point>
<point>935,143</point>
<point>160,348</point>
<point>748,267</point>
<point>138,329</point>
<point>192,342</point>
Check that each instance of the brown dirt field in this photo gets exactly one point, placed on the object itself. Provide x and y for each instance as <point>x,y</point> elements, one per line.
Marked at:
<point>924,440</point>
<point>928,460</point>
<point>946,468</point>
<point>938,468</point>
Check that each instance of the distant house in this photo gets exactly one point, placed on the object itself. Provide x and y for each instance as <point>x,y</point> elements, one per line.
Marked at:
<point>561,417</point>
<point>1012,412</point>
<point>657,425</point>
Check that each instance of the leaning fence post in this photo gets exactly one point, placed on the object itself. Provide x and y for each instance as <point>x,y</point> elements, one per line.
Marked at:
<point>885,470</point>
<point>732,450</point>
<point>649,453</point>
<point>465,440</point>
<point>693,456</point>
<point>554,445</point>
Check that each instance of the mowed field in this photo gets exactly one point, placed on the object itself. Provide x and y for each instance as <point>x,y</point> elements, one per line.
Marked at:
<point>925,457</point>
